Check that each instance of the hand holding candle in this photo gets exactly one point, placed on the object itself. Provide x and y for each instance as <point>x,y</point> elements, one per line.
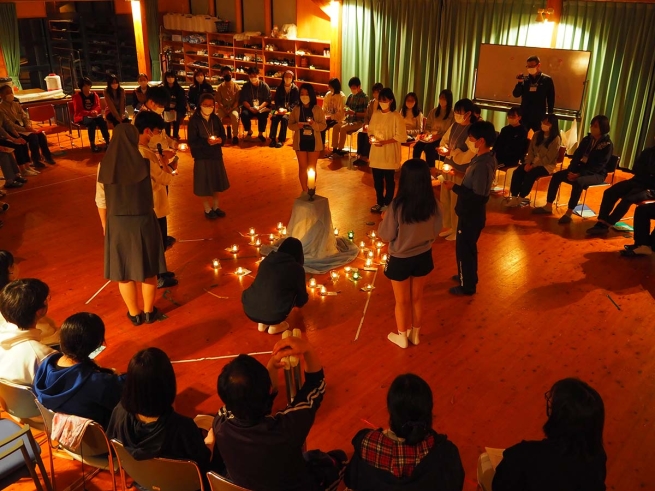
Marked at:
<point>447,168</point>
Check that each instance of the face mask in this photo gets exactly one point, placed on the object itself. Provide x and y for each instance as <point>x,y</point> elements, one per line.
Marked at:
<point>459,118</point>
<point>532,71</point>
<point>154,140</point>
<point>595,132</point>
<point>206,110</point>
<point>471,146</point>
<point>200,79</point>
<point>287,81</point>
<point>170,80</point>
<point>410,104</point>
<point>114,86</point>
<point>9,98</point>
<point>545,128</point>
<point>384,105</point>
<point>254,81</point>
<point>304,99</point>
<point>227,78</point>
<point>158,110</point>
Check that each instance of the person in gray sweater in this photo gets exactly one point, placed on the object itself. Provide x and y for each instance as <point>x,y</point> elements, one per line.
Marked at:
<point>410,226</point>
<point>472,196</point>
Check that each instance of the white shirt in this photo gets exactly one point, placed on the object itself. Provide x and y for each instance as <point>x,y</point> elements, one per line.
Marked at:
<point>386,126</point>
<point>160,179</point>
<point>20,353</point>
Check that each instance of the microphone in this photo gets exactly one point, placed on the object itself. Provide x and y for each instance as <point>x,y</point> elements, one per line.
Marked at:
<point>160,150</point>
<point>521,77</point>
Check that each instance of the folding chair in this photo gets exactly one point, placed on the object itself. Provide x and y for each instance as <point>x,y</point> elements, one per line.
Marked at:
<point>95,450</point>
<point>158,474</point>
<point>560,161</point>
<point>19,456</point>
<point>18,401</point>
<point>44,113</point>
<point>219,483</point>
<point>583,210</point>
<point>73,125</point>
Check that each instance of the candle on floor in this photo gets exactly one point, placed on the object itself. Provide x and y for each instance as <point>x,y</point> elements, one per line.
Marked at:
<point>258,242</point>
<point>379,245</point>
<point>356,275</point>
<point>369,262</point>
<point>271,237</point>
<point>283,231</point>
<point>370,254</point>
<point>347,269</point>
<point>239,270</point>
<point>372,235</point>
<point>351,235</point>
<point>362,244</point>
<point>323,290</point>
<point>216,264</point>
<point>334,275</point>
<point>251,231</point>
<point>311,178</point>
<point>384,258</point>
<point>235,248</point>
<point>312,283</point>
<point>280,225</point>
<point>368,287</point>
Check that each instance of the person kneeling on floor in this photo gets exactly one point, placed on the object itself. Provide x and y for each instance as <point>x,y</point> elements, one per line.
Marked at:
<point>278,287</point>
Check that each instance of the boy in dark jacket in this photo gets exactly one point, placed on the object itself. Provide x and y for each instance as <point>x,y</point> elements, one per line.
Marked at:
<point>287,96</point>
<point>512,143</point>
<point>472,197</point>
<point>278,287</point>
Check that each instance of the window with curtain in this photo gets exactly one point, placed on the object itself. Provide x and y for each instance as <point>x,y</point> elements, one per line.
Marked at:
<point>34,53</point>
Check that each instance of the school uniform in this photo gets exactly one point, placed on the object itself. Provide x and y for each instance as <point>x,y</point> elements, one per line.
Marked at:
<point>385,159</point>
<point>363,144</point>
<point>160,181</point>
<point>115,106</point>
<point>537,93</point>
<point>176,102</point>
<point>139,98</point>
<point>303,135</point>
<point>209,174</point>
<point>543,159</point>
<point>472,196</point>
<point>18,120</point>
<point>590,161</point>
<point>255,96</point>
<point>435,125</point>
<point>511,146</point>
<point>83,105</point>
<point>227,97</point>
<point>287,98</point>
<point>196,90</point>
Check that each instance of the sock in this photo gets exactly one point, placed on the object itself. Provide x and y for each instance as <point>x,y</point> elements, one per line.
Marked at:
<point>413,335</point>
<point>205,203</point>
<point>399,339</point>
<point>215,204</point>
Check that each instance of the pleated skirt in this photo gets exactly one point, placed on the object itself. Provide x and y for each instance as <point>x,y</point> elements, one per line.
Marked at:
<point>209,177</point>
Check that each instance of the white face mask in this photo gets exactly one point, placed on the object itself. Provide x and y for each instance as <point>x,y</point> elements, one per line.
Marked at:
<point>545,128</point>
<point>410,104</point>
<point>158,110</point>
<point>304,99</point>
<point>532,71</point>
<point>287,81</point>
<point>384,105</point>
<point>471,146</point>
<point>206,110</point>
<point>200,79</point>
<point>459,118</point>
<point>154,140</point>
<point>254,81</point>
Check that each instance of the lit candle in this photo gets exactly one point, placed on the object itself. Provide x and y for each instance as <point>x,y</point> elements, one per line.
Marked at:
<point>235,248</point>
<point>280,225</point>
<point>182,147</point>
<point>379,244</point>
<point>372,139</point>
<point>271,237</point>
<point>212,138</point>
<point>312,283</point>
<point>447,167</point>
<point>356,275</point>
<point>311,178</point>
<point>258,242</point>
<point>362,244</point>
<point>336,231</point>
<point>347,269</point>
<point>351,234</point>
<point>368,287</point>
<point>252,231</point>
<point>216,264</point>
<point>239,270</point>
<point>284,231</point>
<point>384,259</point>
<point>369,262</point>
<point>370,254</point>
<point>334,275</point>
<point>323,290</point>
<point>372,235</point>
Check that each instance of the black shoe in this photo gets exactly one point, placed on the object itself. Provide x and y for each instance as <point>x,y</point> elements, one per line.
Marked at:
<point>50,161</point>
<point>4,207</point>
<point>38,165</point>
<point>211,214</point>
<point>261,138</point>
<point>456,278</point>
<point>166,282</point>
<point>341,153</point>
<point>21,180</point>
<point>219,213</point>
<point>598,229</point>
<point>273,143</point>
<point>151,317</point>
<point>104,149</point>
<point>14,184</point>
<point>137,320</point>
<point>279,145</point>
<point>630,247</point>
<point>95,149</point>
<point>167,274</point>
<point>461,291</point>
<point>359,162</point>
<point>170,240</point>
<point>235,141</point>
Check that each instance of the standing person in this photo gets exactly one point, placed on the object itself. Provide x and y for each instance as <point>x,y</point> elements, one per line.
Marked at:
<point>386,133</point>
<point>227,98</point>
<point>36,139</point>
<point>334,106</point>
<point>161,175</point>
<point>255,97</point>
<point>156,102</point>
<point>410,226</point>
<point>363,145</point>
<point>139,95</point>
<point>86,110</point>
<point>355,111</point>
<point>115,100</point>
<point>413,116</point>
<point>206,137</point>
<point>537,93</point>
<point>278,287</point>
<point>540,161</point>
<point>307,120</point>
<point>473,194</point>
<point>287,96</point>
<point>198,87</point>
<point>512,143</point>
<point>134,251</point>
<point>588,167</point>
<point>439,120</point>
<point>176,109</point>
<point>458,156</point>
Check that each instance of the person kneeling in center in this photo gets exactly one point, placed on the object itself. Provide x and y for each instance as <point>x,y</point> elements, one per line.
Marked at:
<point>278,287</point>
<point>264,451</point>
<point>472,197</point>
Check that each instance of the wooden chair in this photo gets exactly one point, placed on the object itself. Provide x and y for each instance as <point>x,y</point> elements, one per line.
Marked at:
<point>41,115</point>
<point>95,450</point>
<point>583,210</point>
<point>18,401</point>
<point>158,474</point>
<point>19,456</point>
<point>219,483</point>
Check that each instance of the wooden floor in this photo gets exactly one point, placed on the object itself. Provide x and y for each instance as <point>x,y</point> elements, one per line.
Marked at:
<point>543,309</point>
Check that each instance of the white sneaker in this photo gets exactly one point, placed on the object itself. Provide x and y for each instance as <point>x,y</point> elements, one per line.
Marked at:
<point>398,339</point>
<point>446,232</point>
<point>452,236</point>
<point>278,328</point>
<point>262,327</point>
<point>31,172</point>
<point>383,208</point>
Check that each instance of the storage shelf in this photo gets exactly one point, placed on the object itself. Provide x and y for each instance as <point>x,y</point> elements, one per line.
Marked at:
<point>319,70</point>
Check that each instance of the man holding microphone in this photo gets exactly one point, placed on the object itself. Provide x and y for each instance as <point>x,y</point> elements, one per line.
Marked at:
<point>537,93</point>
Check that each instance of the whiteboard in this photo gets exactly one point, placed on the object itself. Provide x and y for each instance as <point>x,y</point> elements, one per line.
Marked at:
<point>498,66</point>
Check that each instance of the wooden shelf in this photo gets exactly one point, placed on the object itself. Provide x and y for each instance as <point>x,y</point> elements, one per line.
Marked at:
<point>319,70</point>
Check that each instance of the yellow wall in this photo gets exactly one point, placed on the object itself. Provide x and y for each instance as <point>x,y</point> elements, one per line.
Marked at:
<point>312,22</point>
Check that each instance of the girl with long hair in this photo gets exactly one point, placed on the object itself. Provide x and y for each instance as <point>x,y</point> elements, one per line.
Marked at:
<point>115,100</point>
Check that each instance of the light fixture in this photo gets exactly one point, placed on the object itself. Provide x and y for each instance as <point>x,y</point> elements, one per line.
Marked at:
<point>543,14</point>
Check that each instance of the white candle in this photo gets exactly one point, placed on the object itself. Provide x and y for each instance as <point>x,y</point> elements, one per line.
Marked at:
<point>271,237</point>
<point>379,244</point>
<point>216,263</point>
<point>252,231</point>
<point>258,242</point>
<point>447,167</point>
<point>368,288</point>
<point>369,262</point>
<point>284,231</point>
<point>280,225</point>
<point>373,236</point>
<point>370,254</point>
<point>311,178</point>
<point>334,275</point>
<point>235,248</point>
<point>384,259</point>
<point>362,244</point>
<point>323,290</point>
<point>182,147</point>
<point>347,269</point>
<point>212,138</point>
<point>336,231</point>
<point>312,283</point>
<point>239,270</point>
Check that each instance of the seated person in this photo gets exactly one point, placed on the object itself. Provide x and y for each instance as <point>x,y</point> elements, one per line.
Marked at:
<point>22,304</point>
<point>198,87</point>
<point>640,187</point>
<point>439,120</point>
<point>588,167</point>
<point>36,139</point>
<point>264,451</point>
<point>512,142</point>
<point>278,287</point>
<point>10,169</point>
<point>255,97</point>
<point>145,421</point>
<point>540,161</point>
<point>86,111</point>
<point>72,383</point>
<point>355,112</point>
<point>363,143</point>
<point>409,455</point>
<point>227,100</point>
<point>334,107</point>
<point>571,457</point>
<point>13,141</point>
<point>413,116</point>
<point>644,239</point>
<point>115,101</point>
<point>287,96</point>
<point>139,95</point>
<point>477,112</point>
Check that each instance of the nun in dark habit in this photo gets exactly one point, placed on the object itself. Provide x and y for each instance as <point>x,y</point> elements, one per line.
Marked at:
<point>133,246</point>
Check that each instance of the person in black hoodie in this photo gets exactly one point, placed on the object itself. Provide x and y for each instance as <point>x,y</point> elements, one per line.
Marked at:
<point>278,287</point>
<point>410,455</point>
<point>176,109</point>
<point>640,187</point>
<point>198,87</point>
<point>145,422</point>
<point>287,96</point>
<point>512,143</point>
<point>588,167</point>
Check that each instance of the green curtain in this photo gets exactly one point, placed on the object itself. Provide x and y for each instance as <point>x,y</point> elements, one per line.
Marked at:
<point>152,24</point>
<point>9,41</point>
<point>621,81</point>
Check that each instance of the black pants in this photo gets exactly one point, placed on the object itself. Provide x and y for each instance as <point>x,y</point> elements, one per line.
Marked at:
<point>383,180</point>
<point>175,125</point>
<point>112,119</point>
<point>330,124</point>
<point>577,186</point>
<point>283,121</point>
<point>363,144</point>
<point>38,142</point>
<point>163,226</point>
<point>643,216</point>
<point>628,192</point>
<point>21,152</point>
<point>466,248</point>
<point>532,119</point>
<point>430,149</point>
<point>523,181</point>
<point>91,125</point>
<point>247,117</point>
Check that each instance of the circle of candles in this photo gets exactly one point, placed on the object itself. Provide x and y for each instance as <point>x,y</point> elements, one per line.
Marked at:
<point>369,262</point>
<point>347,269</point>
<point>336,231</point>
<point>356,275</point>
<point>351,234</point>
<point>379,244</point>
<point>362,244</point>
<point>284,231</point>
<point>334,275</point>
<point>235,248</point>
<point>271,237</point>
<point>251,231</point>
<point>370,254</point>
<point>239,270</point>
<point>258,242</point>
<point>323,290</point>
<point>312,283</point>
<point>216,263</point>
<point>280,225</point>
<point>385,258</point>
